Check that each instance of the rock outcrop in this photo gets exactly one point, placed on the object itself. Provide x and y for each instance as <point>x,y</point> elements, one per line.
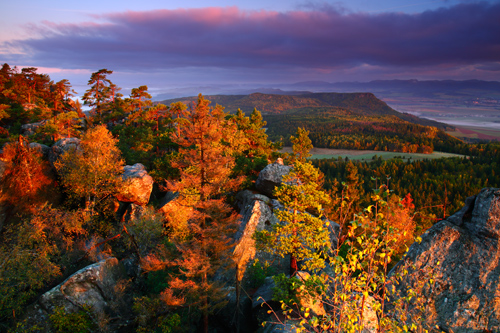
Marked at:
<point>137,185</point>
<point>30,129</point>
<point>271,176</point>
<point>462,255</point>
<point>62,146</point>
<point>93,286</point>
<point>256,215</point>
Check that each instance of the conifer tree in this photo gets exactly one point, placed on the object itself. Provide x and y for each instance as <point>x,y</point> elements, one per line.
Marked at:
<point>205,165</point>
<point>100,91</point>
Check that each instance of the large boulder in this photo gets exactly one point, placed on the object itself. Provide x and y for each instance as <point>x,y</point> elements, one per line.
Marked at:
<point>62,146</point>
<point>92,285</point>
<point>137,185</point>
<point>271,176</point>
<point>462,255</point>
<point>95,287</point>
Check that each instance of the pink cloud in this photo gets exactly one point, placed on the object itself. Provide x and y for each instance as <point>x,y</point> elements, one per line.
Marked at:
<point>323,40</point>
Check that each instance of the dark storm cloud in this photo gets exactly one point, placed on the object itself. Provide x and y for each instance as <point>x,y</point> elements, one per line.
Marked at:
<point>466,34</point>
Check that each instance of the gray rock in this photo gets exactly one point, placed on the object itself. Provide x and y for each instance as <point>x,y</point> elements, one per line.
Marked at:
<point>30,129</point>
<point>255,216</point>
<point>462,254</point>
<point>41,148</point>
<point>61,147</point>
<point>92,285</point>
<point>138,185</point>
<point>270,177</point>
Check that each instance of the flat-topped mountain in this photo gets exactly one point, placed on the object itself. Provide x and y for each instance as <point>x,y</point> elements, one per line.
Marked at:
<point>364,104</point>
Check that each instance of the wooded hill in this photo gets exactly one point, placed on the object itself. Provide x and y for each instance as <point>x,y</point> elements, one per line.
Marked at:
<point>341,120</point>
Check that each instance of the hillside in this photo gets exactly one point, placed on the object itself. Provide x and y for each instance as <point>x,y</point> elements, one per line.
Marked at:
<point>268,104</point>
<point>340,120</point>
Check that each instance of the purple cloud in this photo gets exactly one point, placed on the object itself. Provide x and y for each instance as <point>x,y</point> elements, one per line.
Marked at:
<point>320,40</point>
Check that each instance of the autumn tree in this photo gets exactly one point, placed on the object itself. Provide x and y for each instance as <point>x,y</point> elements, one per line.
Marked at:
<point>301,144</point>
<point>205,163</point>
<point>27,180</point>
<point>93,170</point>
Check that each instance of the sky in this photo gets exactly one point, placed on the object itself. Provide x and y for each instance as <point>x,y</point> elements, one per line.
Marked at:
<point>169,44</point>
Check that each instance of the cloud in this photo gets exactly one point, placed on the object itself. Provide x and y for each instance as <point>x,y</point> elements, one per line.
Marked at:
<point>321,40</point>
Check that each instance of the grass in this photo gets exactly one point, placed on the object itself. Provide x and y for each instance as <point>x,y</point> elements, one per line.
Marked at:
<point>369,156</point>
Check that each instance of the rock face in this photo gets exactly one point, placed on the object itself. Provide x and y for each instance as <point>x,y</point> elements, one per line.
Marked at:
<point>462,254</point>
<point>62,146</point>
<point>271,176</point>
<point>92,285</point>
<point>137,186</point>
<point>256,215</point>
<point>97,286</point>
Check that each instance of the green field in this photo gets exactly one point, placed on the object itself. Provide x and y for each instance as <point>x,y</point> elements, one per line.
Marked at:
<point>369,155</point>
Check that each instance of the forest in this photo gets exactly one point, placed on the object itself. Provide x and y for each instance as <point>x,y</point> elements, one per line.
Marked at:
<point>60,212</point>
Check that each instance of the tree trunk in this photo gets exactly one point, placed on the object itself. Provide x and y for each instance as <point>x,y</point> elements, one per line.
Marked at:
<point>293,265</point>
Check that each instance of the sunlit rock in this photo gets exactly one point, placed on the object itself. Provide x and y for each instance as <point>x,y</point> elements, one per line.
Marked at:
<point>137,185</point>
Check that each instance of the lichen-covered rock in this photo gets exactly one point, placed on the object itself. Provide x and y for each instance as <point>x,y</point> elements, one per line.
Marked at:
<point>62,146</point>
<point>137,185</point>
<point>92,285</point>
<point>462,255</point>
<point>271,176</point>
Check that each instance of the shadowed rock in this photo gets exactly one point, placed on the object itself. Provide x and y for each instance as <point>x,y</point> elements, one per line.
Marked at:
<point>463,256</point>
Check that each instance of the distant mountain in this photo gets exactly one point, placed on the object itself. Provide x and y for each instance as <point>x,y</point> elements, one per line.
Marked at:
<point>427,89</point>
<point>381,88</point>
<point>365,104</point>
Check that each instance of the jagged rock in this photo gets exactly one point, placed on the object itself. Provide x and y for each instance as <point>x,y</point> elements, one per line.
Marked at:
<point>41,148</point>
<point>30,129</point>
<point>462,255</point>
<point>168,197</point>
<point>256,215</point>
<point>137,186</point>
<point>92,285</point>
<point>62,146</point>
<point>271,176</point>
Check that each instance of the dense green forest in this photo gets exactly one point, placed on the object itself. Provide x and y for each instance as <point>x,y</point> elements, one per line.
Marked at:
<point>438,187</point>
<point>60,209</point>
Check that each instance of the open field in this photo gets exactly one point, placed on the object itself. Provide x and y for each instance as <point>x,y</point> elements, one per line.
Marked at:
<point>367,155</point>
<point>472,132</point>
